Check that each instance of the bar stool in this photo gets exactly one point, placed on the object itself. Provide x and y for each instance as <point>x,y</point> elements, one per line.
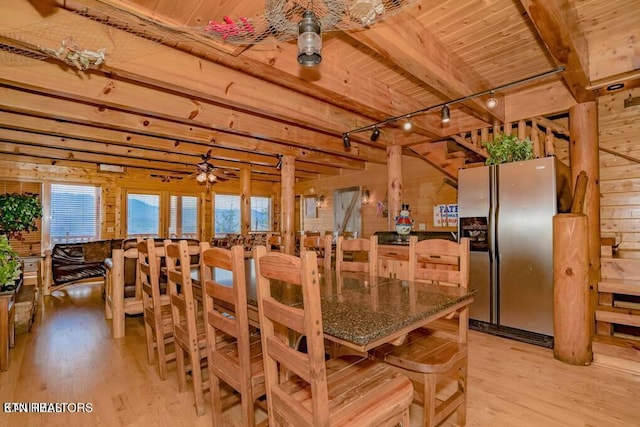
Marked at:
<point>432,357</point>
<point>302,388</point>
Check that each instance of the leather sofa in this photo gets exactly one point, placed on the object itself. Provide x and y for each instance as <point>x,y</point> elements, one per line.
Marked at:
<point>123,292</point>
<point>68,263</point>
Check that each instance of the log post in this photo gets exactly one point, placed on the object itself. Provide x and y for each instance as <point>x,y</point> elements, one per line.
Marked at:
<point>47,272</point>
<point>535,139</point>
<point>245,200</point>
<point>584,154</point>
<point>571,306</point>
<point>394,181</point>
<point>288,200</point>
<point>549,143</point>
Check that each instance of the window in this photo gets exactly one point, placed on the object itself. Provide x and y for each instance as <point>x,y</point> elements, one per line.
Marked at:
<point>183,217</point>
<point>75,213</point>
<point>260,213</point>
<point>227,214</point>
<point>143,215</point>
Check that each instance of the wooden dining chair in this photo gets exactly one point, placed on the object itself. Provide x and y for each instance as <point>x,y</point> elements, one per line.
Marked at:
<point>237,361</point>
<point>302,388</point>
<point>188,324</point>
<point>320,245</point>
<point>435,356</point>
<point>349,254</point>
<point>156,308</point>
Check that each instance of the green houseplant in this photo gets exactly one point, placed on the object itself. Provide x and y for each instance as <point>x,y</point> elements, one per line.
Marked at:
<point>9,262</point>
<point>18,213</point>
<point>508,148</point>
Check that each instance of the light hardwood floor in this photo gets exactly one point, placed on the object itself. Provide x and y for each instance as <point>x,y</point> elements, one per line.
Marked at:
<point>69,357</point>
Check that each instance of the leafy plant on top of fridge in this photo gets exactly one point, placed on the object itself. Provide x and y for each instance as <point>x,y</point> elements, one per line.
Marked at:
<point>508,148</point>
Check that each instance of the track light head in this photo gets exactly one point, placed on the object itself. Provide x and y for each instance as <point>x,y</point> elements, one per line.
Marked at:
<point>444,114</point>
<point>492,102</point>
<point>346,141</point>
<point>407,126</point>
<point>375,134</point>
<point>279,164</point>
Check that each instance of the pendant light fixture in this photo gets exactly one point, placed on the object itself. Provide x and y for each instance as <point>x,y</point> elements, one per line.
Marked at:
<point>309,39</point>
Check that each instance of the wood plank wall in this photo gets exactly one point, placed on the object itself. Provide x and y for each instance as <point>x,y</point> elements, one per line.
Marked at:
<point>619,129</point>
<point>31,177</point>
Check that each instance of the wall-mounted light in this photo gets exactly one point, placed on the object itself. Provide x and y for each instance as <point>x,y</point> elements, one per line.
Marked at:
<point>365,195</point>
<point>319,200</point>
<point>375,134</point>
<point>444,114</point>
<point>309,40</point>
<point>346,141</point>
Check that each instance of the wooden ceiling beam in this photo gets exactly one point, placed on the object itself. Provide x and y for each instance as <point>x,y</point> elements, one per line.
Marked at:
<point>56,128</point>
<point>128,96</point>
<point>169,69</point>
<point>408,44</point>
<point>137,126</point>
<point>558,25</point>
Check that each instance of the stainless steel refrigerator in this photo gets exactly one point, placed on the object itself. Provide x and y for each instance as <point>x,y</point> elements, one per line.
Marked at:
<point>507,211</point>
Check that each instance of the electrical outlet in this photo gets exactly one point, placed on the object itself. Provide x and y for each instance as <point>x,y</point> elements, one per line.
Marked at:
<point>422,226</point>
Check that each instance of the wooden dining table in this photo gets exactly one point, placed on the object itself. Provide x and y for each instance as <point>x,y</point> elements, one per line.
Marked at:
<point>361,311</point>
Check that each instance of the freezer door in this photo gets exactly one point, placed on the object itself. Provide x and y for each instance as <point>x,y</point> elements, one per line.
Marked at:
<point>526,204</point>
<point>474,222</point>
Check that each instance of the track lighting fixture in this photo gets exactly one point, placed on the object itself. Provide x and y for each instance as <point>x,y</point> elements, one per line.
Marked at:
<point>309,40</point>
<point>346,141</point>
<point>279,164</point>
<point>375,134</point>
<point>492,102</point>
<point>444,114</point>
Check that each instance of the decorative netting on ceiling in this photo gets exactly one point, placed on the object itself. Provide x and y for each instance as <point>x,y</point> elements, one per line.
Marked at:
<point>68,40</point>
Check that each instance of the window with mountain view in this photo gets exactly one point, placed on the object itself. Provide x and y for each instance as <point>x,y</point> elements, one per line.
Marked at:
<point>183,217</point>
<point>227,214</point>
<point>75,213</point>
<point>143,215</point>
<point>260,213</point>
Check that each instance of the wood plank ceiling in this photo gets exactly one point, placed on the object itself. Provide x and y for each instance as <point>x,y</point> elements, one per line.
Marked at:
<point>158,104</point>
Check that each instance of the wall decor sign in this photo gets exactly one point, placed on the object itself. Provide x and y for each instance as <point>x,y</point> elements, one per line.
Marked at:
<point>445,215</point>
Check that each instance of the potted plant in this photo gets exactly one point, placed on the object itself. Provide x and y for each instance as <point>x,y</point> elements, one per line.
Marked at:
<point>9,264</point>
<point>18,213</point>
<point>508,148</point>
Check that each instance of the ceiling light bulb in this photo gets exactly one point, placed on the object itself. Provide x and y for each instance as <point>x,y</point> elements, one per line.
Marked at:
<point>211,177</point>
<point>309,40</point>
<point>202,177</point>
<point>407,125</point>
<point>492,102</point>
<point>444,114</point>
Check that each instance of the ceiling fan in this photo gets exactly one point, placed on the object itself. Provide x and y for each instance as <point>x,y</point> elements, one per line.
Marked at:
<point>206,173</point>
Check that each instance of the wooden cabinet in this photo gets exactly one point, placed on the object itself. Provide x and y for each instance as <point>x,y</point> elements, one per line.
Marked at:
<point>393,261</point>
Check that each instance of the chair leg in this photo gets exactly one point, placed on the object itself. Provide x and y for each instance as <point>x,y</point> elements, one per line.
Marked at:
<point>216,399</point>
<point>248,407</point>
<point>149,333</point>
<point>429,400</point>
<point>462,387</point>
<point>196,375</point>
<point>162,353</point>
<point>182,375</point>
